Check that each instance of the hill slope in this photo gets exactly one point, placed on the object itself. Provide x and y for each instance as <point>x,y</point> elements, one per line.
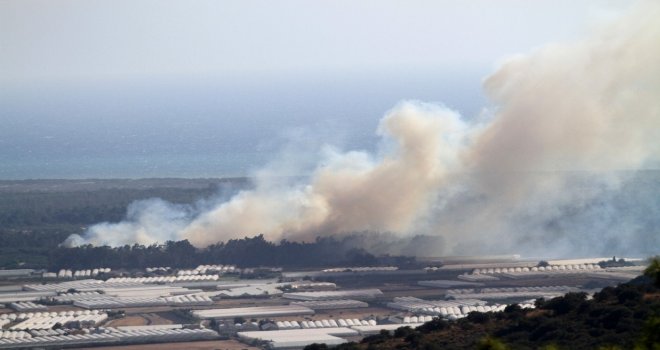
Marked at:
<point>622,317</point>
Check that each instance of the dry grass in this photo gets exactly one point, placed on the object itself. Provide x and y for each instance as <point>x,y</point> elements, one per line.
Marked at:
<point>652,296</point>
<point>128,321</point>
<point>154,318</point>
<point>537,313</point>
<point>59,308</point>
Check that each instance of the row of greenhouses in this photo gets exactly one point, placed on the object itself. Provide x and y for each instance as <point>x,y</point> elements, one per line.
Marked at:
<point>361,294</point>
<point>331,304</point>
<point>568,268</point>
<point>325,323</point>
<point>165,279</point>
<point>108,337</point>
<point>26,306</point>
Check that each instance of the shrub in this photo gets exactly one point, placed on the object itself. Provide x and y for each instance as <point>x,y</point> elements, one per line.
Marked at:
<point>565,304</point>
<point>489,343</point>
<point>479,317</point>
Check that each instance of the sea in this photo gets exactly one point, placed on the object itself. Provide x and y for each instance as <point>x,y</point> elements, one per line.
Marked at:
<point>172,129</point>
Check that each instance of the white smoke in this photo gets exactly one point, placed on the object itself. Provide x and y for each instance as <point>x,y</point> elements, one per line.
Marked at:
<point>590,106</point>
<point>147,221</point>
<point>348,192</point>
<point>565,120</point>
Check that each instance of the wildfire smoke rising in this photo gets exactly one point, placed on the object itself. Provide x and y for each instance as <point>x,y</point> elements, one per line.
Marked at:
<point>506,180</point>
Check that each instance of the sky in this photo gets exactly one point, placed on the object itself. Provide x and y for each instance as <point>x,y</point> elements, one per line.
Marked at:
<point>216,88</point>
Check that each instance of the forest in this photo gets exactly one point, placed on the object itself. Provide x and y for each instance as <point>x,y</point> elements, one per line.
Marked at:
<point>246,252</point>
<point>37,215</point>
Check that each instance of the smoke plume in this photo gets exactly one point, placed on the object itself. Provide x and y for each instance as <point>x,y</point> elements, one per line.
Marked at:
<point>550,166</point>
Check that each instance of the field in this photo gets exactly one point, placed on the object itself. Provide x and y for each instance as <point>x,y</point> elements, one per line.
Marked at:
<point>129,321</point>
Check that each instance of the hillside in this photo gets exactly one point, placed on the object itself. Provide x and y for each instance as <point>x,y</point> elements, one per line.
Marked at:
<point>622,317</point>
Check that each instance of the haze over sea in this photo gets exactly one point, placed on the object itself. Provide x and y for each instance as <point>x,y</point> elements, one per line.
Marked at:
<point>201,129</point>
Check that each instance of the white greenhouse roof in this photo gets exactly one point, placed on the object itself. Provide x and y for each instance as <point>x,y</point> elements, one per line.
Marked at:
<point>300,337</point>
<point>335,294</point>
<point>257,311</point>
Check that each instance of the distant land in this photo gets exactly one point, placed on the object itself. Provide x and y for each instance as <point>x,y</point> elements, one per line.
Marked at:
<point>37,215</point>
<point>65,185</point>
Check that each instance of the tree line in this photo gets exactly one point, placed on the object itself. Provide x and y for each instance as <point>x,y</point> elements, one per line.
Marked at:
<point>246,252</point>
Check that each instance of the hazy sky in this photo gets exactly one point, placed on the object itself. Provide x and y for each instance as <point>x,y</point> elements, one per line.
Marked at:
<point>87,41</point>
<point>143,84</point>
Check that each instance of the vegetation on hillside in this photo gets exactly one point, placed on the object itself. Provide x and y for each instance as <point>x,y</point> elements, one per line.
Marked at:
<point>622,317</point>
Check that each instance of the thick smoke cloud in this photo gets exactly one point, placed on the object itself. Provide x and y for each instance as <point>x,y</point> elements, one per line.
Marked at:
<point>568,120</point>
<point>350,191</point>
<point>550,167</point>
